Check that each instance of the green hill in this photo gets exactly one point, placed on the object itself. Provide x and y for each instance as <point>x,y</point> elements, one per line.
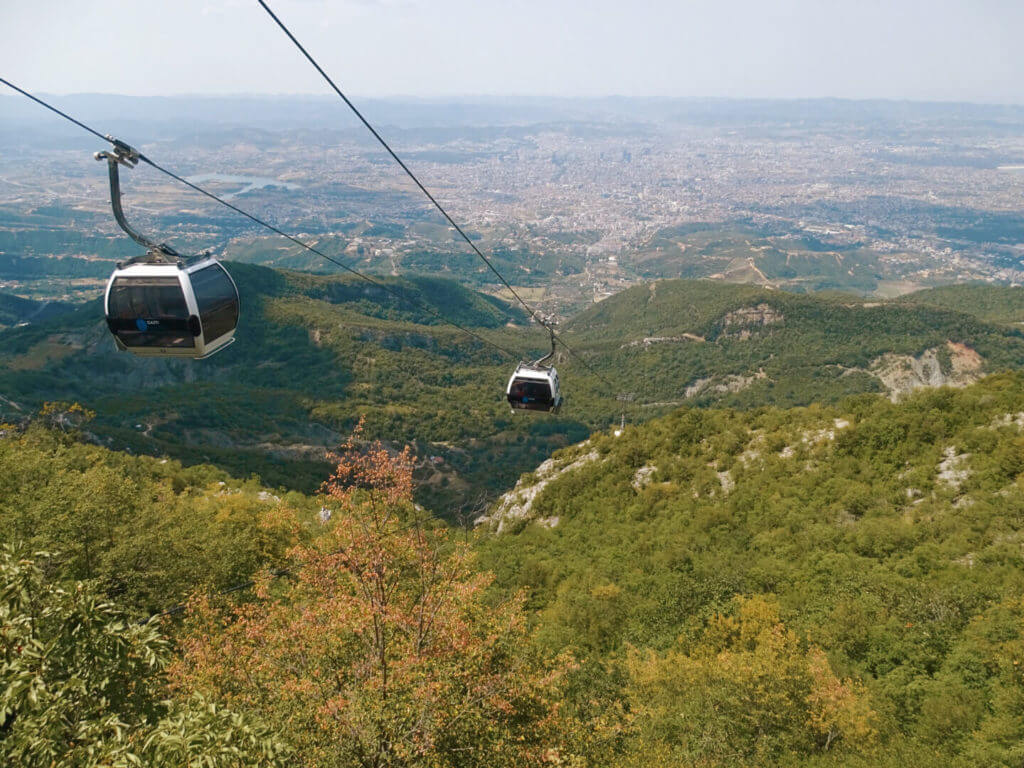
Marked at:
<point>889,536</point>
<point>706,342</point>
<point>992,303</point>
<point>315,353</point>
<point>821,586</point>
<point>148,530</point>
<point>15,310</point>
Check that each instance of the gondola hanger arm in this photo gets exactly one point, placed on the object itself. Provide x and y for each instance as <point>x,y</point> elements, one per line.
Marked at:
<point>123,154</point>
<point>548,323</point>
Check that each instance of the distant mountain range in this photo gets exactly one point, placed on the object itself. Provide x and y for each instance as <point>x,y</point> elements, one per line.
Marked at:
<point>169,114</point>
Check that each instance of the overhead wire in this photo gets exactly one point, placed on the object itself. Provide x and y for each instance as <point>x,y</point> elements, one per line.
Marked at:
<point>533,313</point>
<point>257,220</point>
<point>402,297</point>
<point>384,286</point>
<point>280,571</point>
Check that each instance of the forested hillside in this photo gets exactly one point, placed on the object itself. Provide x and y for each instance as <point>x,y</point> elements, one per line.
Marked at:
<point>704,342</point>
<point>15,310</point>
<point>316,353</point>
<point>820,586</point>
<point>148,530</point>
<point>992,303</point>
<point>714,567</point>
<point>357,588</point>
<point>312,356</point>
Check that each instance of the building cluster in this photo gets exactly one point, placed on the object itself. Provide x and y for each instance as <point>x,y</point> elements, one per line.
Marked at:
<point>584,210</point>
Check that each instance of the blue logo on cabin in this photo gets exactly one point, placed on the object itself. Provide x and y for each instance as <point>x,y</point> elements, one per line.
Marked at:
<point>142,325</point>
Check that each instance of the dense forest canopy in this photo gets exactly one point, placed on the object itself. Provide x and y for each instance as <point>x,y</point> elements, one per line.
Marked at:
<point>364,353</point>
<point>883,537</point>
<point>824,585</point>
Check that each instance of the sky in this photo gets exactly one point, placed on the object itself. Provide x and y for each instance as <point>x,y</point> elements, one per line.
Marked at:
<point>944,50</point>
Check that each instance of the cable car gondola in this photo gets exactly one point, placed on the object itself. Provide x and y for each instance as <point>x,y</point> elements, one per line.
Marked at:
<point>179,309</point>
<point>534,386</point>
<point>162,304</point>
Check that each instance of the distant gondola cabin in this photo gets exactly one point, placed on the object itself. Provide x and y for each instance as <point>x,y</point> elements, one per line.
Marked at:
<point>534,388</point>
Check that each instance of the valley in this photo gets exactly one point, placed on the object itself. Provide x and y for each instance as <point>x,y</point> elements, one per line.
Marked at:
<point>366,355</point>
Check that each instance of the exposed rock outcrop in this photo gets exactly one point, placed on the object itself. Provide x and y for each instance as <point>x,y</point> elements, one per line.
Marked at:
<point>812,437</point>
<point>901,374</point>
<point>642,477</point>
<point>952,470</point>
<point>517,504</point>
<point>724,385</point>
<point>649,340</point>
<point>1006,420</point>
<point>739,322</point>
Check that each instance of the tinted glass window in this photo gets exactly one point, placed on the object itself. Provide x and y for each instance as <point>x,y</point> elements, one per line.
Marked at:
<point>149,312</point>
<point>152,297</point>
<point>217,300</point>
<point>524,390</point>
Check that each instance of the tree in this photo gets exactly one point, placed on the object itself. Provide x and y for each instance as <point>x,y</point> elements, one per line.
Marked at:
<point>746,692</point>
<point>383,649</point>
<point>149,531</point>
<point>82,686</point>
<point>989,661</point>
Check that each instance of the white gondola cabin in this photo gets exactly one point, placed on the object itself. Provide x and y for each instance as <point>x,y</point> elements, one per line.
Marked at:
<point>162,304</point>
<point>178,309</point>
<point>534,387</point>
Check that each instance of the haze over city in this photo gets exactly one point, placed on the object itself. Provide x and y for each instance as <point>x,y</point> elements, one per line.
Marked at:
<point>960,50</point>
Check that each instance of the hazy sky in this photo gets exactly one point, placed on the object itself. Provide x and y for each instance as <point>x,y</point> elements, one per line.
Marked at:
<point>967,50</point>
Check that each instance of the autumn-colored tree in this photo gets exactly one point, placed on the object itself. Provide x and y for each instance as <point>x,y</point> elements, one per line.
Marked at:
<point>383,650</point>
<point>746,692</point>
<point>837,708</point>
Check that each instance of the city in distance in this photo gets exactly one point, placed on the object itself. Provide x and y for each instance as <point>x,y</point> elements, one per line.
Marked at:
<point>577,199</point>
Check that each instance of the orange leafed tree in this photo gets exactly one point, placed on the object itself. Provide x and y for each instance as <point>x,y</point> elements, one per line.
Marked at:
<point>382,649</point>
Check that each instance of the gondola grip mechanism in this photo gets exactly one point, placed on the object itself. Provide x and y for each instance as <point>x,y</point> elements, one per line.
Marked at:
<point>128,156</point>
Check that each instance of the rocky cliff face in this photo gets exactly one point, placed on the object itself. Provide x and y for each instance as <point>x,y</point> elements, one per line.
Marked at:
<point>901,374</point>
<point>517,504</point>
<point>742,323</point>
<point>951,365</point>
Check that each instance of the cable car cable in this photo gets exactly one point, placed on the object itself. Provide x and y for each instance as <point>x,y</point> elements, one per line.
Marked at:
<point>409,300</point>
<point>411,175</point>
<point>312,249</point>
<point>52,108</point>
<point>394,156</point>
<point>418,304</point>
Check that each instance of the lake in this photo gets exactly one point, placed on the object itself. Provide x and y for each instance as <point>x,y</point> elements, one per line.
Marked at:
<point>250,182</point>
